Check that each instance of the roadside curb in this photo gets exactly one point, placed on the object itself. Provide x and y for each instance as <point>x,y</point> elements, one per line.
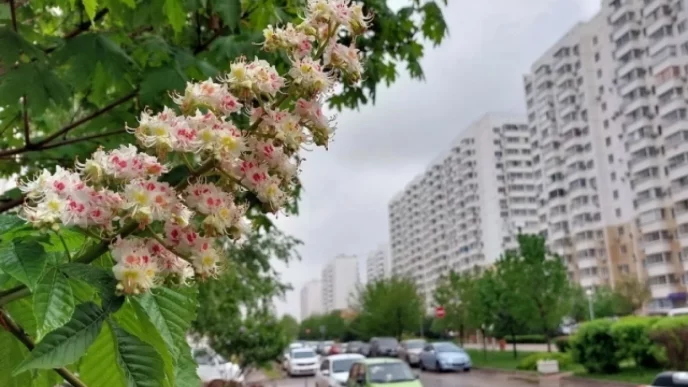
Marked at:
<point>566,379</point>
<point>578,381</point>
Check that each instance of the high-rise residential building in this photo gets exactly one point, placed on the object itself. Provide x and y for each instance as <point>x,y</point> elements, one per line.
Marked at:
<point>649,42</point>
<point>378,264</point>
<point>311,299</point>
<point>468,205</point>
<point>340,279</point>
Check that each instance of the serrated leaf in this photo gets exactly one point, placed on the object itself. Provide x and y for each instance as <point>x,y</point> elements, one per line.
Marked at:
<point>12,352</point>
<point>13,45</point>
<point>8,222</point>
<point>229,11</point>
<point>21,312</point>
<point>53,301</point>
<point>171,312</point>
<point>185,374</point>
<point>100,279</point>
<point>24,260</point>
<point>141,364</point>
<point>174,10</point>
<point>158,81</point>
<point>68,343</point>
<point>90,6</point>
<point>37,82</point>
<point>99,367</point>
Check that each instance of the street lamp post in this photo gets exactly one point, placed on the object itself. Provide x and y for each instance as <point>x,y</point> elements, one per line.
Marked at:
<point>589,294</point>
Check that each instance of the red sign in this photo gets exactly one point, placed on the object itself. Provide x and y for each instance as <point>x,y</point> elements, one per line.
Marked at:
<point>439,312</point>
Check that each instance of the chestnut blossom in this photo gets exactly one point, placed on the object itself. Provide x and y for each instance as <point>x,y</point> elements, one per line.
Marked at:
<point>207,95</point>
<point>256,78</point>
<point>221,213</point>
<point>149,200</point>
<point>309,75</point>
<point>124,163</point>
<point>315,121</point>
<point>339,12</point>
<point>345,59</point>
<point>294,40</point>
<point>135,268</point>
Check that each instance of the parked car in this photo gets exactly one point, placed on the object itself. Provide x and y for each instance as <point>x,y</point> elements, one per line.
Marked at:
<point>364,349</point>
<point>353,346</point>
<point>381,372</point>
<point>323,347</point>
<point>302,361</point>
<point>384,346</point>
<point>287,353</point>
<point>334,370</point>
<point>212,366</point>
<point>409,350</point>
<point>336,349</point>
<point>444,356</point>
<point>671,379</point>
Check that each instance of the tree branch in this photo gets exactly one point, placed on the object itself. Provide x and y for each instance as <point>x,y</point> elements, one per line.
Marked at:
<point>205,45</point>
<point>18,332</point>
<point>27,136</point>
<point>82,27</point>
<point>84,138</point>
<point>13,15</point>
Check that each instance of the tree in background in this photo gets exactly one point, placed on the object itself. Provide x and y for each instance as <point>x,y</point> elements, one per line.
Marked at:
<point>390,306</point>
<point>634,292</point>
<point>329,326</point>
<point>451,293</point>
<point>540,278</point>
<point>69,80</point>
<point>290,326</point>
<point>508,304</point>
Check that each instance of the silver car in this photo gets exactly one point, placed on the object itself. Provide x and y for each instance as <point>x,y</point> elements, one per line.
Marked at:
<point>409,351</point>
<point>670,379</point>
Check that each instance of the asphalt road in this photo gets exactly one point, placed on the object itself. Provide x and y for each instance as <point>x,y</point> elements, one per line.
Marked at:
<point>429,379</point>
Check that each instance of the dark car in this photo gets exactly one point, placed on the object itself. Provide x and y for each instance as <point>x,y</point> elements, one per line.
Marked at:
<point>671,379</point>
<point>384,347</point>
<point>353,346</point>
<point>364,349</point>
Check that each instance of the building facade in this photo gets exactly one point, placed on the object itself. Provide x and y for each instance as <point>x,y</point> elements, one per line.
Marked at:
<point>378,264</point>
<point>340,279</point>
<point>468,205</point>
<point>311,299</point>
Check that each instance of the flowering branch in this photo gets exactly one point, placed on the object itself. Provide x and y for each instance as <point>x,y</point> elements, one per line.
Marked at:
<point>17,331</point>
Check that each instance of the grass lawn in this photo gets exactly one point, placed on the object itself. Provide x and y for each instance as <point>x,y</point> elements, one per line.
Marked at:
<point>496,359</point>
<point>631,375</point>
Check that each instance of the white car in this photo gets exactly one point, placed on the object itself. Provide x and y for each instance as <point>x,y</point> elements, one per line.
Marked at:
<point>302,361</point>
<point>334,370</point>
<point>212,366</point>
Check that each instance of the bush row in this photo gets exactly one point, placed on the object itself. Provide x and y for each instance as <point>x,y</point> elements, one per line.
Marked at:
<point>602,345</point>
<point>529,363</point>
<point>526,339</point>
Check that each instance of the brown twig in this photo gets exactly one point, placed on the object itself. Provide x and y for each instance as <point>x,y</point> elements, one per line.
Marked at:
<point>207,43</point>
<point>27,136</point>
<point>82,27</point>
<point>84,138</point>
<point>18,332</point>
<point>13,15</point>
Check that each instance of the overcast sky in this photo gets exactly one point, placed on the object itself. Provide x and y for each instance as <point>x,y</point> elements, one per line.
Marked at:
<point>380,148</point>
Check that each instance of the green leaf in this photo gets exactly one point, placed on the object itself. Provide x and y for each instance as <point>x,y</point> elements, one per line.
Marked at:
<point>158,81</point>
<point>21,312</point>
<point>8,222</point>
<point>99,367</point>
<point>229,11</point>
<point>24,260</point>
<point>53,301</point>
<point>185,372</point>
<point>12,352</point>
<point>141,364</point>
<point>171,312</point>
<point>100,279</point>
<point>37,82</point>
<point>90,6</point>
<point>68,343</point>
<point>174,10</point>
<point>12,46</point>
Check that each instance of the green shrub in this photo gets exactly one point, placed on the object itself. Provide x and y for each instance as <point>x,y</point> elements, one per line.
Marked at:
<point>632,336</point>
<point>562,344</point>
<point>526,339</point>
<point>529,363</point>
<point>671,335</point>
<point>594,347</point>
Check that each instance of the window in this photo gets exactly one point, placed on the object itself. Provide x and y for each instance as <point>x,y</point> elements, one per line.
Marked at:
<point>604,106</point>
<point>608,141</point>
<point>606,124</point>
<point>594,40</point>
<point>599,73</point>
<point>618,212</point>
<point>613,176</point>
<point>601,90</point>
<point>325,366</point>
<point>624,250</point>
<point>610,158</point>
<point>616,194</point>
<point>597,57</point>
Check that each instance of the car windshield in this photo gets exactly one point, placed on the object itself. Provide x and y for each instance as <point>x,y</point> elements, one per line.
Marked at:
<point>388,342</point>
<point>343,365</point>
<point>389,373</point>
<point>415,344</point>
<point>447,347</point>
<point>203,358</point>
<point>302,354</point>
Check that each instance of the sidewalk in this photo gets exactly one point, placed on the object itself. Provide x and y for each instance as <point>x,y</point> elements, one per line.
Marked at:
<point>519,347</point>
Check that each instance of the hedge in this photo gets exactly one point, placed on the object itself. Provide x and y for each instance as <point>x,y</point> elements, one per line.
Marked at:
<point>671,336</point>
<point>526,339</point>
<point>529,363</point>
<point>632,336</point>
<point>562,344</point>
<point>594,347</point>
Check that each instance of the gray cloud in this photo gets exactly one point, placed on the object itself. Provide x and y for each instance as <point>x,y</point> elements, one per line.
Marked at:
<point>378,149</point>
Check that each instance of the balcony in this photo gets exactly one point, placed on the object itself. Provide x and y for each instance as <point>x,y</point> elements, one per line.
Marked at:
<point>640,143</point>
<point>567,92</point>
<point>567,109</point>
<point>651,203</point>
<point>666,107</point>
<point>633,44</point>
<point>659,268</point>
<point>678,172</point>
<point>662,20</point>
<point>656,247</point>
<point>571,124</point>
<point>624,28</point>
<point>635,123</point>
<point>587,244</point>
<point>671,83</point>
<point>632,64</point>
<point>620,11</point>
<point>641,163</point>
<point>625,87</point>
<point>651,5</point>
<point>663,290</point>
<point>679,194</point>
<point>673,127</point>
<point>587,262</point>
<point>681,215</point>
<point>659,44</point>
<point>637,102</point>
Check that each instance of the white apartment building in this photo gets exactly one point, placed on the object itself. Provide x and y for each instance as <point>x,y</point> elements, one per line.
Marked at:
<point>339,281</point>
<point>468,206</point>
<point>378,265</point>
<point>311,299</point>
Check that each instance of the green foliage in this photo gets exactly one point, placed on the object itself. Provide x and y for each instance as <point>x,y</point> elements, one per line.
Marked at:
<point>53,301</point>
<point>671,335</point>
<point>452,293</point>
<point>632,335</point>
<point>335,327</point>
<point>594,347</point>
<point>526,339</point>
<point>529,363</point>
<point>563,344</point>
<point>389,307</point>
<point>24,260</point>
<point>290,326</point>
